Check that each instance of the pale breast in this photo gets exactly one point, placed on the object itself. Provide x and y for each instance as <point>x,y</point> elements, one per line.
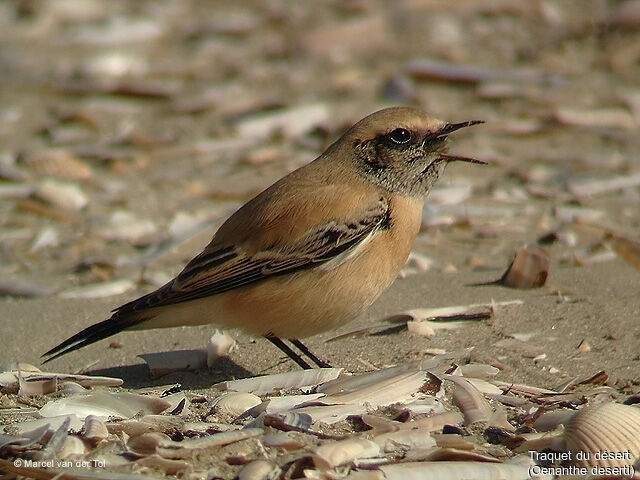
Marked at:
<point>316,300</point>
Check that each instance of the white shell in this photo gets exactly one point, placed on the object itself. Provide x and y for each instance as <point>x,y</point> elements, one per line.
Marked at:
<point>281,381</point>
<point>122,405</point>
<point>71,447</point>
<point>259,470</point>
<point>331,455</point>
<point>611,428</point>
<point>94,430</point>
<point>185,448</point>
<point>99,290</point>
<point>529,268</point>
<point>235,403</point>
<point>68,196</point>
<point>147,443</point>
<point>163,363</point>
<point>219,345</point>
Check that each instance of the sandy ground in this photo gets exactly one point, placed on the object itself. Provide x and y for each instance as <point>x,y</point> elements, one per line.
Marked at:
<point>148,155</point>
<point>168,112</point>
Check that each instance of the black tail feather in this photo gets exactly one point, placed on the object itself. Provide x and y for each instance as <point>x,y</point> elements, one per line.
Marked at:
<point>89,335</point>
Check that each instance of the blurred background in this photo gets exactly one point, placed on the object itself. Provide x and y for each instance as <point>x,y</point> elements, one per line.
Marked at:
<point>130,129</point>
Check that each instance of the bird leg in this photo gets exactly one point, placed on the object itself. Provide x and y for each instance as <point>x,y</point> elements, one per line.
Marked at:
<point>290,353</point>
<point>303,348</point>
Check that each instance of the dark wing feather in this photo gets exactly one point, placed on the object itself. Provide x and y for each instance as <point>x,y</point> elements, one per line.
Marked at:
<point>226,268</point>
<point>218,270</point>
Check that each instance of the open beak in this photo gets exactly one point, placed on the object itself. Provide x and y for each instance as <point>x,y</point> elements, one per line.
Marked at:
<point>457,158</point>
<point>452,127</point>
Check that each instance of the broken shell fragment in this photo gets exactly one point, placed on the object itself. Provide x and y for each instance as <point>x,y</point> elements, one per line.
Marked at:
<point>281,381</point>
<point>219,345</point>
<point>71,447</point>
<point>94,430</point>
<point>37,386</point>
<point>468,398</point>
<point>606,435</point>
<point>627,249</point>
<point>147,443</point>
<point>164,363</point>
<point>57,162</point>
<point>259,470</point>
<point>235,403</point>
<point>122,405</point>
<point>171,449</point>
<point>331,455</point>
<point>529,268</point>
<point>67,196</point>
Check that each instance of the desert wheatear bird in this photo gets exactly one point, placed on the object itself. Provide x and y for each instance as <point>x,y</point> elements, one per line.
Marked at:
<point>312,251</point>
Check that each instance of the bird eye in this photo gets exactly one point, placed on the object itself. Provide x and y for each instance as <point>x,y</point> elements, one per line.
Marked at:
<point>399,135</point>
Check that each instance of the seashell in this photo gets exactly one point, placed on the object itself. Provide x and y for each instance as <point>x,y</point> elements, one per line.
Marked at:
<point>37,386</point>
<point>104,404</point>
<point>15,366</point>
<point>452,440</point>
<point>470,401</point>
<point>72,388</point>
<point>333,413</point>
<point>281,440</point>
<point>281,381</point>
<point>235,403</point>
<point>146,424</point>
<point>67,196</point>
<point>94,430</point>
<point>598,185</point>
<point>219,345</point>
<point>115,64</point>
<point>450,194</point>
<point>288,402</point>
<point>365,475</point>
<point>185,448</point>
<point>484,387</point>
<point>416,263</point>
<point>57,162</point>
<point>178,404</point>
<point>71,447</point>
<point>26,429</point>
<point>417,439</point>
<point>334,454</point>
<point>48,237</point>
<point>628,250</point>
<point>615,118</point>
<point>25,437</point>
<point>147,443</point>
<point>625,15</point>
<point>422,406</point>
<point>123,225</point>
<point>164,363</point>
<point>551,420</point>
<point>170,467</point>
<point>259,470</point>
<point>478,370</point>
<point>296,421</point>
<point>529,268</point>
<point>99,290</point>
<point>606,435</point>
<point>291,122</point>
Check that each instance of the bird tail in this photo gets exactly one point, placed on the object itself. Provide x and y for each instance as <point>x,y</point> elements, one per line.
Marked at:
<point>92,334</point>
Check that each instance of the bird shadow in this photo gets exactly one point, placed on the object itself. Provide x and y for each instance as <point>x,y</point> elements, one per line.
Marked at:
<point>138,376</point>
